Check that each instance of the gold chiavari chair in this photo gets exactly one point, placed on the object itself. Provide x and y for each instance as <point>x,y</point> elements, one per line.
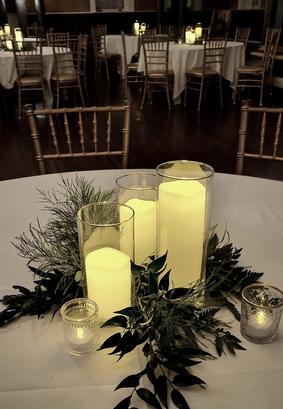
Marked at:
<point>256,75</point>
<point>67,69</point>
<point>242,35</point>
<point>30,71</point>
<point>157,74</point>
<point>102,57</point>
<point>58,39</point>
<point>265,127</point>
<point>131,74</point>
<point>198,78</point>
<point>83,47</point>
<point>71,133</point>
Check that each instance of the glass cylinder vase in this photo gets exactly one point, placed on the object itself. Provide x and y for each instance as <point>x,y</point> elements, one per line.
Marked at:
<point>138,190</point>
<point>184,200</point>
<point>106,239</point>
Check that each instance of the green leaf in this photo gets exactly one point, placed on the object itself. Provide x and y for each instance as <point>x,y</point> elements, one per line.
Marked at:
<point>131,381</point>
<point>187,379</point>
<point>176,293</point>
<point>161,389</point>
<point>157,264</point>
<point>124,404</point>
<point>164,282</point>
<point>179,400</point>
<point>111,342</point>
<point>153,285</point>
<point>117,321</point>
<point>147,396</point>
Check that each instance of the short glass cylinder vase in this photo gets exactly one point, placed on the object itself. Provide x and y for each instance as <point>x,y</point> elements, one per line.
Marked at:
<point>106,239</point>
<point>138,190</point>
<point>261,311</point>
<point>184,201</point>
<point>80,325</point>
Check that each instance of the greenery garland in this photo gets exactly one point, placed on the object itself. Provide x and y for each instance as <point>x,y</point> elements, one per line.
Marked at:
<point>173,328</point>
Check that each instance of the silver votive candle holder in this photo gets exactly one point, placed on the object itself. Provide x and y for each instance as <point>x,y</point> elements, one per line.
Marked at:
<point>80,325</point>
<point>261,311</point>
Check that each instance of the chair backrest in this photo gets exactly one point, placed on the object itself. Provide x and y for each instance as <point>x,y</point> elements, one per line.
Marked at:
<point>29,60</point>
<point>83,44</point>
<point>242,35</point>
<point>67,60</point>
<point>220,22</point>
<point>214,54</point>
<point>155,51</point>
<point>35,31</point>
<point>98,35</point>
<point>125,60</point>
<point>260,135</point>
<point>167,29</point>
<point>80,133</point>
<point>58,39</point>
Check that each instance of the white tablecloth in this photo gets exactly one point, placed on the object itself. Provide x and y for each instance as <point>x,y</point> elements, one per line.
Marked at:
<point>8,74</point>
<point>114,46</point>
<point>183,57</point>
<point>35,370</point>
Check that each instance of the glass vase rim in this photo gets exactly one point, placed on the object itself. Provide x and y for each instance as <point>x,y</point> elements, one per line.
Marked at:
<point>79,301</point>
<point>106,224</point>
<point>210,171</point>
<point>137,187</point>
<point>262,285</point>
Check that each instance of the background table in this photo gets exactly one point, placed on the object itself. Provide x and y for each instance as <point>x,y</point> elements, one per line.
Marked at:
<point>114,46</point>
<point>35,370</point>
<point>183,57</point>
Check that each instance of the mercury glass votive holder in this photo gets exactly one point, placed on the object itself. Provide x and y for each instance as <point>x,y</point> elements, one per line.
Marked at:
<point>261,311</point>
<point>80,325</point>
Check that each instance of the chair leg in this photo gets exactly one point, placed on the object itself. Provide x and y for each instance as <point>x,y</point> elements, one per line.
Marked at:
<point>168,96</point>
<point>19,102</point>
<point>200,94</point>
<point>220,91</point>
<point>81,94</point>
<point>144,93</point>
<point>107,70</point>
<point>185,95</point>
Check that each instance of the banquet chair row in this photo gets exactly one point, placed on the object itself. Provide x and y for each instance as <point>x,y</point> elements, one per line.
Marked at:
<point>260,135</point>
<point>198,78</point>
<point>80,133</point>
<point>256,75</point>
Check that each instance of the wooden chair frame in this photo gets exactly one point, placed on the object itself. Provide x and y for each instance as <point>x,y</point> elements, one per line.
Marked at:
<point>242,35</point>
<point>67,68</point>
<point>101,54</point>
<point>79,143</point>
<point>58,39</point>
<point>155,52</point>
<point>131,74</point>
<point>197,78</point>
<point>30,72</point>
<point>256,75</point>
<point>243,135</point>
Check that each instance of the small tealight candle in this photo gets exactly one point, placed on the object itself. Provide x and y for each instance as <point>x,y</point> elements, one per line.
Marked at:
<point>80,325</point>
<point>9,44</point>
<point>261,312</point>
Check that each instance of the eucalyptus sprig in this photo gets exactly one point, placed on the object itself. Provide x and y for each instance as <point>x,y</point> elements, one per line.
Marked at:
<point>175,330</point>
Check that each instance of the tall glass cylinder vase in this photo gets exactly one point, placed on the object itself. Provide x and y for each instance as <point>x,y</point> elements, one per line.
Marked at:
<point>184,198</point>
<point>138,190</point>
<point>106,239</point>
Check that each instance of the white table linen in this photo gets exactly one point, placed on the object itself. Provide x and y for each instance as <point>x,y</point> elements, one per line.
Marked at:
<point>183,57</point>
<point>114,46</point>
<point>36,371</point>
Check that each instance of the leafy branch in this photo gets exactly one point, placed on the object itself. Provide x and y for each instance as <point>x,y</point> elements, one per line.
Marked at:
<point>176,333</point>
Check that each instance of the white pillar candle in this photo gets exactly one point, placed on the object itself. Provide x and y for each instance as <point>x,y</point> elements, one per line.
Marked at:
<point>198,32</point>
<point>108,277</point>
<point>181,222</point>
<point>1,32</point>
<point>144,228</point>
<point>18,34</point>
<point>9,44</point>
<point>136,27</point>
<point>7,29</point>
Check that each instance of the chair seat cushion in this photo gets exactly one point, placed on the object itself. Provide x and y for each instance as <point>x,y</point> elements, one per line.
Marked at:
<point>251,69</point>
<point>64,77</point>
<point>28,80</point>
<point>160,73</point>
<point>199,71</point>
<point>132,67</point>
